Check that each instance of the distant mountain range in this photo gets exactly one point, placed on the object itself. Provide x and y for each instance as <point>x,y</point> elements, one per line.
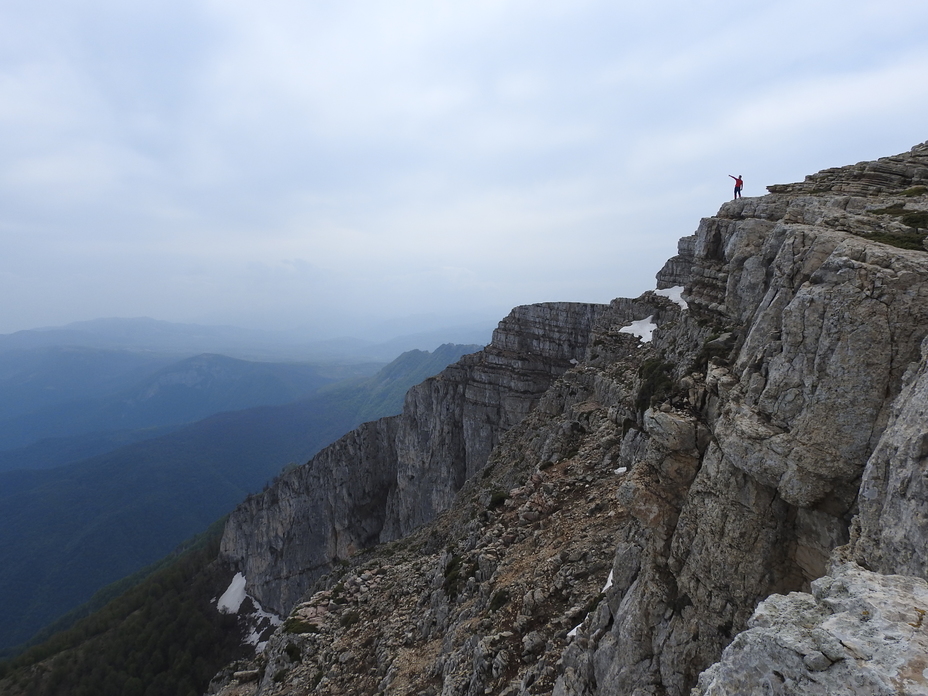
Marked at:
<point>63,392</point>
<point>157,336</point>
<point>69,530</point>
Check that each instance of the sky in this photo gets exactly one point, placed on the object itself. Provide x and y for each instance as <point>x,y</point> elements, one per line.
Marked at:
<point>326,166</point>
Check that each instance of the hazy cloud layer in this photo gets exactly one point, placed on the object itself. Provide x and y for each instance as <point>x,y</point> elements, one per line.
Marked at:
<point>290,163</point>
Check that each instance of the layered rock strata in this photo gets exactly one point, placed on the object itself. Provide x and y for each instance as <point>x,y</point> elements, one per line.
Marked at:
<point>390,476</point>
<point>632,517</point>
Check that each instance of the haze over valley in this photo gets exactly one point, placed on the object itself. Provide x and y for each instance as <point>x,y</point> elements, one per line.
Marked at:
<point>354,348</point>
<point>114,450</point>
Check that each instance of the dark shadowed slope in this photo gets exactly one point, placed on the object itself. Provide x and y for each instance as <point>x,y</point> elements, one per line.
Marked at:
<point>181,392</point>
<point>66,532</point>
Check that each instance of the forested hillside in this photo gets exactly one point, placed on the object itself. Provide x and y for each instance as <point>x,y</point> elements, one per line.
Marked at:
<point>66,532</point>
<point>58,403</point>
<point>163,637</point>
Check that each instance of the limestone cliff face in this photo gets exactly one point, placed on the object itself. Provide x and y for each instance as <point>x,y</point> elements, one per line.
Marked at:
<point>389,476</point>
<point>858,633</point>
<point>824,325</point>
<point>611,526</point>
<point>892,527</point>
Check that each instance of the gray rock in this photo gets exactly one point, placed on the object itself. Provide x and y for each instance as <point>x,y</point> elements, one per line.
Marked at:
<point>869,624</point>
<point>743,430</point>
<point>894,493</point>
<point>390,476</point>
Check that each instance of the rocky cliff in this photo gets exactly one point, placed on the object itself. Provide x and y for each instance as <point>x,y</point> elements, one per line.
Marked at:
<point>390,476</point>
<point>737,491</point>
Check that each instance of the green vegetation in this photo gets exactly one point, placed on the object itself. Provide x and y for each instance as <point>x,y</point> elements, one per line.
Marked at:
<point>894,209</point>
<point>915,191</point>
<point>131,506</point>
<point>909,241</point>
<point>349,618</point>
<point>497,499</point>
<point>294,624</point>
<point>656,382</point>
<point>456,574</point>
<point>127,509</point>
<point>452,576</point>
<point>293,653</point>
<point>337,593</point>
<point>163,637</point>
<point>917,218</point>
<point>910,218</point>
<point>499,599</point>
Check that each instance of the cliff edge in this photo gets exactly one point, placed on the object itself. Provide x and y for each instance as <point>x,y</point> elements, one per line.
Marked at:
<point>617,499</point>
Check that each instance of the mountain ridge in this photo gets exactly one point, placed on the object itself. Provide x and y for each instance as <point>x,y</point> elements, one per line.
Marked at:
<point>84,525</point>
<point>714,497</point>
<point>172,395</point>
<point>186,340</point>
<point>732,444</point>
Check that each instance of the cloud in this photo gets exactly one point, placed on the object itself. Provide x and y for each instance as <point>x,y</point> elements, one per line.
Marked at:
<point>257,162</point>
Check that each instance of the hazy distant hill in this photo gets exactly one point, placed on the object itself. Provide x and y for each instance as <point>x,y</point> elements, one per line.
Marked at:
<point>300,345</point>
<point>32,379</point>
<point>53,452</point>
<point>66,532</point>
<point>71,393</point>
<point>142,333</point>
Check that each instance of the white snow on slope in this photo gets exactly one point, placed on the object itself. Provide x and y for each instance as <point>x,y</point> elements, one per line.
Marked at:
<point>233,597</point>
<point>263,620</point>
<point>642,328</point>
<point>259,623</point>
<point>674,294</point>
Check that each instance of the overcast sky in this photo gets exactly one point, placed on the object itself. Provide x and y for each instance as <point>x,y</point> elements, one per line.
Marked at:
<point>288,163</point>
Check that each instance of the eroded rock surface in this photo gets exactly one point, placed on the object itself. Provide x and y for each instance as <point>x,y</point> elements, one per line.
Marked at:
<point>610,524</point>
<point>893,522</point>
<point>390,476</point>
<point>858,633</point>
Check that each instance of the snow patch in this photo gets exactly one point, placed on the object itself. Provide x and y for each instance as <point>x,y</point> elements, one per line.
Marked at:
<point>233,597</point>
<point>621,470</point>
<point>257,623</point>
<point>608,582</point>
<point>574,630</point>
<point>674,294</point>
<point>262,619</point>
<point>643,328</point>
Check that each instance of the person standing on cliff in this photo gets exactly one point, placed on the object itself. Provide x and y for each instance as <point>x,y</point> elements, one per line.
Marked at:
<point>738,185</point>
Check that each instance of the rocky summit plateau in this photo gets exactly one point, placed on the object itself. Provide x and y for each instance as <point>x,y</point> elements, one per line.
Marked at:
<point>718,488</point>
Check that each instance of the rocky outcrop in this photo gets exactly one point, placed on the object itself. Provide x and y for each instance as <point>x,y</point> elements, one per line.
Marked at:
<point>390,476</point>
<point>858,633</point>
<point>289,535</point>
<point>630,519</point>
<point>892,525</point>
<point>825,326</point>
